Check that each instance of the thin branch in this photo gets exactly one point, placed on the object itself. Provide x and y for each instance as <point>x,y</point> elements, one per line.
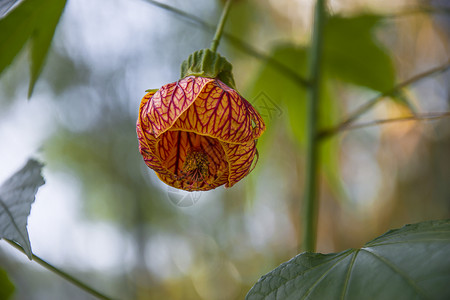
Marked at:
<point>419,10</point>
<point>236,42</point>
<point>189,17</point>
<point>61,273</point>
<point>280,67</point>
<point>368,105</point>
<point>418,117</point>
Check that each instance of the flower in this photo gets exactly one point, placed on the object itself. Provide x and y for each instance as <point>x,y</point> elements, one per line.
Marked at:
<point>198,133</point>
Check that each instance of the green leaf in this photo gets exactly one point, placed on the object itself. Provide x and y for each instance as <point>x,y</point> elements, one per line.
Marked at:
<point>276,96</point>
<point>282,90</point>
<point>16,196</point>
<point>6,286</point>
<point>42,37</point>
<point>412,262</point>
<point>353,54</point>
<point>15,29</point>
<point>33,20</point>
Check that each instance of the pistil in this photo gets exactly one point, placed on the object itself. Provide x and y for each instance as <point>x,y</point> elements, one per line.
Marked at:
<point>196,166</point>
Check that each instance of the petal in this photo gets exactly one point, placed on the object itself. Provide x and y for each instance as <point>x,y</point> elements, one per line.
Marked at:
<point>143,124</point>
<point>146,138</point>
<point>147,144</point>
<point>240,158</point>
<point>170,101</point>
<point>220,112</point>
<point>172,148</point>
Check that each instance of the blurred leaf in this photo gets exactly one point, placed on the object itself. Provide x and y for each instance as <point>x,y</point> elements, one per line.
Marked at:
<point>407,263</point>
<point>276,96</point>
<point>6,286</point>
<point>242,18</point>
<point>42,37</point>
<point>31,19</point>
<point>353,54</point>
<point>16,196</point>
<point>281,92</point>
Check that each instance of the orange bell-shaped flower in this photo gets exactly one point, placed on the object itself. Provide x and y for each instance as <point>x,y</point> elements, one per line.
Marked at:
<point>198,133</point>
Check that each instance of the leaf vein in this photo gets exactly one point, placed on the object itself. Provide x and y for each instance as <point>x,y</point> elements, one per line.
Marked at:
<point>345,254</point>
<point>347,278</point>
<point>309,291</point>
<point>394,268</point>
<point>13,222</point>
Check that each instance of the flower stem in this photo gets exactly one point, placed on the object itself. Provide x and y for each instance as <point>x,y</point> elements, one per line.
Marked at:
<point>61,273</point>
<point>311,202</point>
<point>220,25</point>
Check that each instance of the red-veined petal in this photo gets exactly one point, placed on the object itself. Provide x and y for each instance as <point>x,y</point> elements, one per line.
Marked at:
<point>240,158</point>
<point>173,147</point>
<point>170,101</point>
<point>220,112</point>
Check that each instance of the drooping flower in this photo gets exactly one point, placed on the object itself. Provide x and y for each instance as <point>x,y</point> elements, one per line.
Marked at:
<point>198,133</point>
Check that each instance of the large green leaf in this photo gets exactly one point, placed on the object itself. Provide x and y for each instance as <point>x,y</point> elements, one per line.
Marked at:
<point>353,54</point>
<point>412,262</point>
<point>6,286</point>
<point>33,20</point>
<point>16,196</point>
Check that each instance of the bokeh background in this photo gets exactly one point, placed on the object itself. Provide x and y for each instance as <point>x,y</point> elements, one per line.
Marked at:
<point>105,218</point>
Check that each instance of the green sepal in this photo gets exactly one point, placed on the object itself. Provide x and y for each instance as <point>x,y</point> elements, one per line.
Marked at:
<point>151,90</point>
<point>209,64</point>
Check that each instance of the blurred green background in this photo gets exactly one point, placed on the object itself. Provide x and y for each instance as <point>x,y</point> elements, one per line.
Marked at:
<point>105,218</point>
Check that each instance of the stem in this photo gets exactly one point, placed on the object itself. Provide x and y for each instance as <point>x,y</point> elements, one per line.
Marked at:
<point>368,105</point>
<point>61,273</point>
<point>417,117</point>
<point>311,204</point>
<point>419,10</point>
<point>220,25</point>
